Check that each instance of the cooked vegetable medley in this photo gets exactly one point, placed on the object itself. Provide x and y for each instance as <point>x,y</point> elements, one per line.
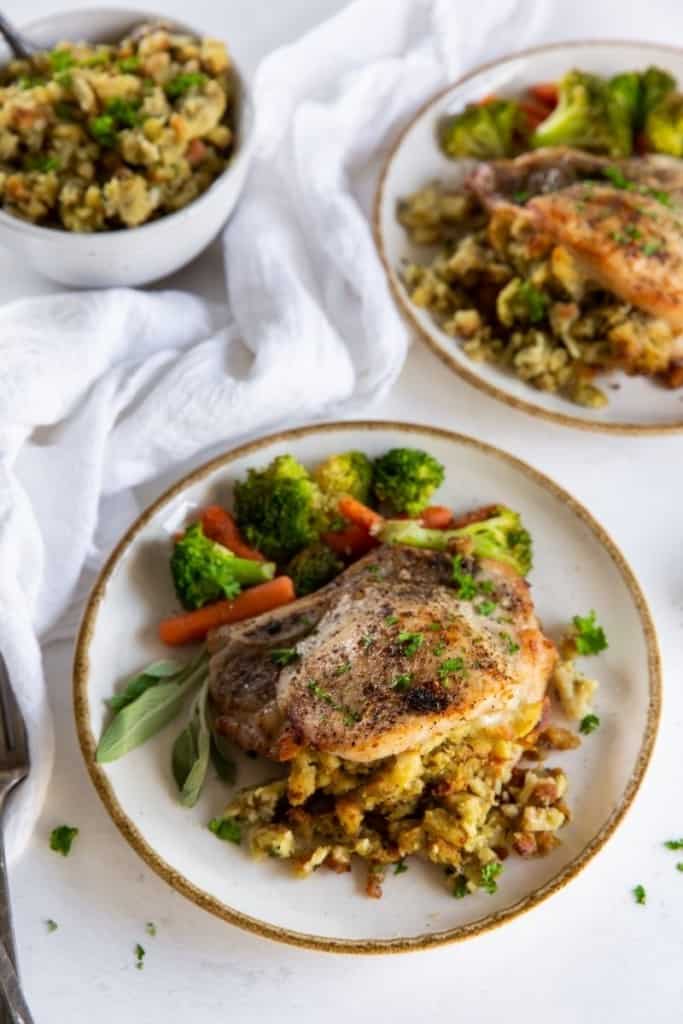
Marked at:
<point>426,609</point>
<point>94,137</point>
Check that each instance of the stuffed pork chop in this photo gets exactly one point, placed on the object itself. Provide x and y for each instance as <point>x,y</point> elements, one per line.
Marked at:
<point>387,657</point>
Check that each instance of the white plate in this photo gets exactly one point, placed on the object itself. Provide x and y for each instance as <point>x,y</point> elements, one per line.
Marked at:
<point>577,568</point>
<point>637,405</point>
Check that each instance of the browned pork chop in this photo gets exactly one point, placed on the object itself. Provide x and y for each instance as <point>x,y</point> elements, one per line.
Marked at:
<point>624,231</point>
<point>391,656</point>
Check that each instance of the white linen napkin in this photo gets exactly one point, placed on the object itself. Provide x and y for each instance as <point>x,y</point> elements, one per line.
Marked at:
<point>101,391</point>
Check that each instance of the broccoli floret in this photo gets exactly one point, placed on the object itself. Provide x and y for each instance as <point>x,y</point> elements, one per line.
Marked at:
<point>482,131</point>
<point>655,86</point>
<point>592,113</point>
<point>279,508</point>
<point>204,571</point>
<point>313,567</point>
<point>501,537</point>
<point>348,473</point>
<point>664,125</point>
<point>406,478</point>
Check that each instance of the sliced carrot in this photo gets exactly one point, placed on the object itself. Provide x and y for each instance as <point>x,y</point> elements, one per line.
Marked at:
<point>221,527</point>
<point>351,542</point>
<point>546,93</point>
<point>535,113</point>
<point>478,515</point>
<point>358,513</point>
<point>437,517</point>
<point>190,627</point>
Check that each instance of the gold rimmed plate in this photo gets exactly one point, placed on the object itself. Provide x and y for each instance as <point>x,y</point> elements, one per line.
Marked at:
<point>577,568</point>
<point>636,405</point>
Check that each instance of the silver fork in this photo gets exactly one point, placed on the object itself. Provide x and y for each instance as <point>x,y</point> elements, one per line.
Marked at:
<point>14,767</point>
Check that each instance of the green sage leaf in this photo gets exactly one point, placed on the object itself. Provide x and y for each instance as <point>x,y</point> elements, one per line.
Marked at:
<point>190,758</point>
<point>136,686</point>
<point>226,769</point>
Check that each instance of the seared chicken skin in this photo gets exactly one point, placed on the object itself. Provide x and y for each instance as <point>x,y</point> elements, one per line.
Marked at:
<point>387,656</point>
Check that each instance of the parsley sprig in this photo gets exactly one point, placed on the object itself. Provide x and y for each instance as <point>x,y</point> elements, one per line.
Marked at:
<point>589,636</point>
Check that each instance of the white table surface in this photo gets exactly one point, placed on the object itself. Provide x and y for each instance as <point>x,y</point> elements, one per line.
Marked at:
<point>588,954</point>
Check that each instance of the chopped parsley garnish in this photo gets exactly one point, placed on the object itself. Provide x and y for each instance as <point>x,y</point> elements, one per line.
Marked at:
<point>535,301</point>
<point>439,648</point>
<point>226,829</point>
<point>651,248</point>
<point>391,620</point>
<point>410,642</point>
<point>28,82</point>
<point>128,64</point>
<point>124,112</point>
<point>436,627</point>
<point>103,130</point>
<point>151,928</point>
<point>60,60</point>
<point>640,895</point>
<point>679,866</point>
<point>374,570</point>
<point>521,196</point>
<point>44,164</point>
<point>342,669</point>
<point>450,666</point>
<point>674,844</point>
<point>464,581</point>
<point>485,586</point>
<point>489,874</point>
<point>485,607</point>
<point>51,925</point>
<point>61,839</point>
<point>512,646</point>
<point>400,867</point>
<point>616,177</point>
<point>284,656</point>
<point>350,716</point>
<point>367,641</point>
<point>590,637</point>
<point>589,723</point>
<point>139,956</point>
<point>182,83</point>
<point>460,889</point>
<point>402,682</point>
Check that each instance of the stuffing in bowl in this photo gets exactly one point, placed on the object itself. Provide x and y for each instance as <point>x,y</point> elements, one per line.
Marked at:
<point>95,137</point>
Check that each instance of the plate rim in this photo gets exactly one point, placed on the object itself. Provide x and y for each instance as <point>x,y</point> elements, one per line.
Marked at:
<point>205,900</point>
<point>405,307</point>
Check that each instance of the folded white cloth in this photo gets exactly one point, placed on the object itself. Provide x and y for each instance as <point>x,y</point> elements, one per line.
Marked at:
<point>100,391</point>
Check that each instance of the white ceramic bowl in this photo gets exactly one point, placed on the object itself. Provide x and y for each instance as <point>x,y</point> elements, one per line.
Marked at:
<point>130,256</point>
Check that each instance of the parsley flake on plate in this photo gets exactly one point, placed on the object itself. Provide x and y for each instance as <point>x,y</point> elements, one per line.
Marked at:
<point>639,895</point>
<point>674,844</point>
<point>401,866</point>
<point>590,636</point>
<point>226,829</point>
<point>51,925</point>
<point>589,723</point>
<point>489,874</point>
<point>139,956</point>
<point>460,889</point>
<point>61,839</point>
